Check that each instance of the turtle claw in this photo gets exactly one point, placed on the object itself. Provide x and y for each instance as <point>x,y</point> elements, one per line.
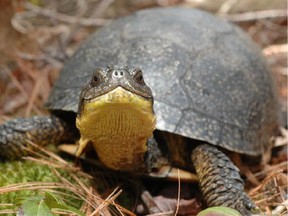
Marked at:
<point>248,204</point>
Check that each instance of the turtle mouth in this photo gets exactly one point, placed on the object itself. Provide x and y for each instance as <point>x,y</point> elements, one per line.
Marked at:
<point>121,95</point>
<point>118,91</point>
<point>115,100</point>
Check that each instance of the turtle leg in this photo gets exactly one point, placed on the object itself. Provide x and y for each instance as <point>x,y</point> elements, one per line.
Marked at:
<point>219,179</point>
<point>41,130</point>
<point>154,158</point>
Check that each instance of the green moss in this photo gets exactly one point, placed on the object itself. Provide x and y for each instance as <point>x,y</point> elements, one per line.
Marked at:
<point>24,171</point>
<point>27,171</point>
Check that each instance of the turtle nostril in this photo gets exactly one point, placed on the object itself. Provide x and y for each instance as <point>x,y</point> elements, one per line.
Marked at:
<point>118,74</point>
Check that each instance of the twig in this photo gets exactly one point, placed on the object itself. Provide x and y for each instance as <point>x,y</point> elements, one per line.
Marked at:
<point>168,213</point>
<point>82,8</point>
<point>227,6</point>
<point>265,181</point>
<point>31,186</point>
<point>41,57</point>
<point>21,89</point>
<point>110,198</point>
<point>275,49</point>
<point>6,212</point>
<point>179,192</point>
<point>20,23</point>
<point>35,91</point>
<point>103,5</point>
<point>281,208</point>
<point>65,18</point>
<point>277,167</point>
<point>255,15</point>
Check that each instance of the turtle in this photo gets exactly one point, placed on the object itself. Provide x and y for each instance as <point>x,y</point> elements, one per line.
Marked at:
<point>162,86</point>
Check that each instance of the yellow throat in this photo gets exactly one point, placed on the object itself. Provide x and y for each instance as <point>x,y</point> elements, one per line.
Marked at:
<point>118,124</point>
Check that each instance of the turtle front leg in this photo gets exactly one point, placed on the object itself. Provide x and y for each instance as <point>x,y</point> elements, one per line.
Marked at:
<point>219,179</point>
<point>41,130</point>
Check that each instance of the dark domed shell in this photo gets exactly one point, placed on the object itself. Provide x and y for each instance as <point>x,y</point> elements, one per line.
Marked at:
<point>208,78</point>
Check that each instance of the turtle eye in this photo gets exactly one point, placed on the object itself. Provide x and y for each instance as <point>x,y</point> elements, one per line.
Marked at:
<point>96,78</point>
<point>139,77</point>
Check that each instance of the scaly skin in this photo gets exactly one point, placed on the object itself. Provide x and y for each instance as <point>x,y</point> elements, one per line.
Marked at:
<point>219,180</point>
<point>42,130</point>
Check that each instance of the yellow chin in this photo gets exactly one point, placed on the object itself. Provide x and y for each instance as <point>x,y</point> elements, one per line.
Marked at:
<point>118,124</point>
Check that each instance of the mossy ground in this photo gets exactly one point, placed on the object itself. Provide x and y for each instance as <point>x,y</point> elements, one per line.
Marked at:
<point>24,171</point>
<point>26,77</point>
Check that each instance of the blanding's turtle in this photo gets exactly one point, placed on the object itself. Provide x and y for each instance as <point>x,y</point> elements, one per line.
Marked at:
<point>211,91</point>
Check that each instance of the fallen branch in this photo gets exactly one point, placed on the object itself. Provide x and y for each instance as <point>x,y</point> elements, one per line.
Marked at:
<point>255,15</point>
<point>65,18</point>
<point>275,49</point>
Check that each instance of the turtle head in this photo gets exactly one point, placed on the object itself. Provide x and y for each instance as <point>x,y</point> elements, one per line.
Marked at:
<point>116,115</point>
<point>104,80</point>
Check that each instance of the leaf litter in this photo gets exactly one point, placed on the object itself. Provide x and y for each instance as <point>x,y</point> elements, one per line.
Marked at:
<point>49,38</point>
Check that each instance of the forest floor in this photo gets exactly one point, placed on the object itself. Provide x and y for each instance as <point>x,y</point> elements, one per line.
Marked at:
<point>38,36</point>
